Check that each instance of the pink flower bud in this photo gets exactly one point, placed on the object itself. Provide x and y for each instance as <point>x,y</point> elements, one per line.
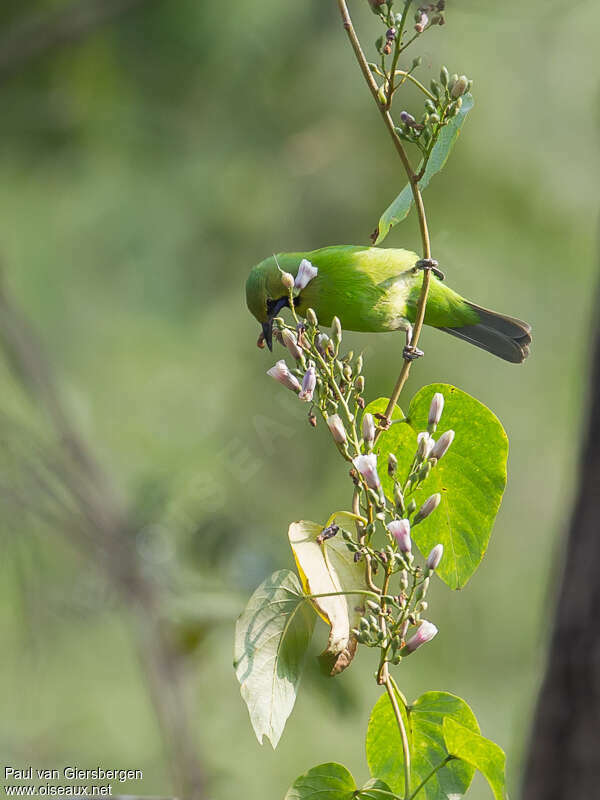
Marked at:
<point>442,445</point>
<point>424,446</point>
<point>367,466</point>
<point>308,385</point>
<point>400,530</point>
<point>306,272</point>
<point>282,374</point>
<point>435,409</point>
<point>425,633</point>
<point>368,430</point>
<point>434,558</point>
<point>336,426</point>
<point>428,507</point>
<point>291,342</point>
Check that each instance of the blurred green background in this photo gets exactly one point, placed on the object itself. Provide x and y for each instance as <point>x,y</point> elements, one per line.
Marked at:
<point>143,171</point>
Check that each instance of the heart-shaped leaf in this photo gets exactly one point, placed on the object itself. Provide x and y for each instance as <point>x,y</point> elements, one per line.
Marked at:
<point>325,782</point>
<point>481,753</point>
<point>399,208</point>
<point>470,478</point>
<point>423,721</point>
<point>271,639</point>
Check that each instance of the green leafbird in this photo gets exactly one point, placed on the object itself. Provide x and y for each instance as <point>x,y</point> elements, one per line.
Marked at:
<point>375,289</point>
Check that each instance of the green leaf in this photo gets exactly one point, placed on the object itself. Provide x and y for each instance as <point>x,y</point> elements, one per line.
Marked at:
<point>375,789</point>
<point>400,207</point>
<point>271,639</point>
<point>471,478</point>
<point>325,782</point>
<point>481,753</point>
<point>423,720</point>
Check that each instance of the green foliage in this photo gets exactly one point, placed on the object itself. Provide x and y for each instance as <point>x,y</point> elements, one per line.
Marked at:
<point>481,753</point>
<point>424,724</point>
<point>470,478</point>
<point>271,639</point>
<point>399,208</point>
<point>334,782</point>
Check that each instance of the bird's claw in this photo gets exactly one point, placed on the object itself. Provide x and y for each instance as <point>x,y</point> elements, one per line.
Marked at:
<point>431,264</point>
<point>411,353</point>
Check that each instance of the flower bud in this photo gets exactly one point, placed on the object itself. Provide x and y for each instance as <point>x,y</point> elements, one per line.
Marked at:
<point>312,418</point>
<point>291,342</point>
<point>336,426</point>
<point>336,330</point>
<point>359,364</point>
<point>368,430</point>
<point>428,507</point>
<point>442,445</point>
<point>444,76</point>
<point>407,118</point>
<point>424,446</point>
<point>422,22</point>
<point>411,508</point>
<point>422,590</point>
<point>359,384</point>
<point>281,373</point>
<point>398,497</point>
<point>434,558</point>
<point>435,410</point>
<point>425,633</point>
<point>288,280</point>
<point>306,272</point>
<point>311,318</point>
<point>322,343</point>
<point>367,467</point>
<point>400,530</point>
<point>392,465</point>
<point>376,5</point>
<point>460,87</point>
<point>309,383</point>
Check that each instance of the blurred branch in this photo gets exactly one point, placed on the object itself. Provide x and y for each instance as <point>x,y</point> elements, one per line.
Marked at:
<point>31,38</point>
<point>97,521</point>
<point>565,740</point>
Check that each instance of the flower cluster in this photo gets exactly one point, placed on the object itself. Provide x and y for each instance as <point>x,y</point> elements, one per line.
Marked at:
<point>333,384</point>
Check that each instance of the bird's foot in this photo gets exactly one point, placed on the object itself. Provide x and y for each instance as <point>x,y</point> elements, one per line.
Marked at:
<point>431,264</point>
<point>411,353</point>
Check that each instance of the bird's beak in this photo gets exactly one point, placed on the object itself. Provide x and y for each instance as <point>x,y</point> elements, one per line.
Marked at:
<point>267,329</point>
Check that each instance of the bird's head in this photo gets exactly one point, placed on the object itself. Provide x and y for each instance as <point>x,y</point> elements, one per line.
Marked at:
<point>267,292</point>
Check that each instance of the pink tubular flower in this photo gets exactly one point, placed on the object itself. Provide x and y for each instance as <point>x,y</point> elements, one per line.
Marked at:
<point>435,409</point>
<point>336,426</point>
<point>424,633</point>
<point>428,507</point>
<point>291,342</point>
<point>368,430</point>
<point>308,385</point>
<point>282,374</point>
<point>424,446</point>
<point>442,445</point>
<point>434,558</point>
<point>306,272</point>
<point>367,466</point>
<point>400,530</point>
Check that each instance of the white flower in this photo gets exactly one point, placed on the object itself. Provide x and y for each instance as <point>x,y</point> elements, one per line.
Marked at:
<point>282,374</point>
<point>400,530</point>
<point>425,633</point>
<point>367,466</point>
<point>308,385</point>
<point>336,426</point>
<point>434,558</point>
<point>306,272</point>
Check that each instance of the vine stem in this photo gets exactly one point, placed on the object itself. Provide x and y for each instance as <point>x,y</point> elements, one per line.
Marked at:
<point>416,192</point>
<point>390,688</point>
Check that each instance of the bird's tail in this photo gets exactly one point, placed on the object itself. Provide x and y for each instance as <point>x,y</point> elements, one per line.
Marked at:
<point>505,337</point>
